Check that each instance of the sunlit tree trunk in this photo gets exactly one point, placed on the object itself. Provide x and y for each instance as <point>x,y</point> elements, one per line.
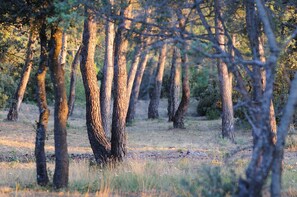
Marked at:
<point>44,112</point>
<point>118,131</point>
<point>225,78</point>
<point>17,99</point>
<point>155,94</point>
<point>61,110</point>
<point>174,84</point>
<point>63,53</point>
<point>97,138</point>
<point>108,69</point>
<point>71,98</point>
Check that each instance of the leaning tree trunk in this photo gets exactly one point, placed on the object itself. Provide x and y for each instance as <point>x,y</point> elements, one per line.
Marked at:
<point>225,78</point>
<point>107,80</point>
<point>174,84</point>
<point>155,94</point>
<point>136,87</point>
<point>97,138</point>
<point>118,130</point>
<point>20,91</point>
<point>44,112</point>
<point>71,98</point>
<point>178,119</point>
<point>61,110</point>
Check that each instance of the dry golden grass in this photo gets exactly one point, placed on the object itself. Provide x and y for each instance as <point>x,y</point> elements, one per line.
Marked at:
<point>159,157</point>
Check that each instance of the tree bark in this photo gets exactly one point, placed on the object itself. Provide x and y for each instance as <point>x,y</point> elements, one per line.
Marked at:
<point>44,112</point>
<point>63,53</point>
<point>174,84</point>
<point>71,98</point>
<point>155,94</point>
<point>96,134</point>
<point>136,87</point>
<point>107,81</point>
<point>118,131</point>
<point>178,119</point>
<point>17,99</point>
<point>61,110</point>
<point>225,79</point>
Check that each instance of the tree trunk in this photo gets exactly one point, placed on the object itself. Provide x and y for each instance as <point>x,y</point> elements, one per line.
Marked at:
<point>107,81</point>
<point>96,134</point>
<point>118,131</point>
<point>71,98</point>
<point>61,110</point>
<point>178,119</point>
<point>225,79</point>
<point>155,94</point>
<point>44,112</point>
<point>17,99</point>
<point>63,53</point>
<point>174,84</point>
<point>136,87</point>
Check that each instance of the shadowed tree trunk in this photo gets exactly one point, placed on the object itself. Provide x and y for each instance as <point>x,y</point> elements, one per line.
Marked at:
<point>75,63</point>
<point>118,131</point>
<point>44,112</point>
<point>155,94</point>
<point>178,119</point>
<point>174,84</point>
<point>97,138</point>
<point>225,78</point>
<point>61,110</point>
<point>20,91</point>
<point>107,80</point>
<point>136,86</point>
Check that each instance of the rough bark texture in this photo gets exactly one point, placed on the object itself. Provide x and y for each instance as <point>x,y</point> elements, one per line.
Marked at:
<point>178,119</point>
<point>44,112</point>
<point>107,80</point>
<point>20,91</point>
<point>174,84</point>
<point>136,87</point>
<point>61,111</point>
<point>118,131</point>
<point>96,134</point>
<point>264,147</point>
<point>71,98</point>
<point>155,94</point>
<point>225,79</point>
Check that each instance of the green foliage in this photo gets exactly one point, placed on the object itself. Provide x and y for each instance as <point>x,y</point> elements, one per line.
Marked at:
<point>7,89</point>
<point>206,91</point>
<point>212,182</point>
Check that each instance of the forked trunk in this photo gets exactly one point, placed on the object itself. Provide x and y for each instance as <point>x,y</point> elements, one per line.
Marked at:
<point>136,87</point>
<point>61,110</point>
<point>155,94</point>
<point>174,84</point>
<point>71,98</point>
<point>22,85</point>
<point>44,112</point>
<point>96,134</point>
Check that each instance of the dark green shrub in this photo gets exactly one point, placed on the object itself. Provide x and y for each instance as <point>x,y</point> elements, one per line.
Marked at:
<point>7,89</point>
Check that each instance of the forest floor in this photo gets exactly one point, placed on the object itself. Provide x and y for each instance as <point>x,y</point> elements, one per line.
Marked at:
<point>161,161</point>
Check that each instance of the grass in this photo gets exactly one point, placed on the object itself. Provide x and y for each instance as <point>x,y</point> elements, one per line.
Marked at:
<point>161,161</point>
